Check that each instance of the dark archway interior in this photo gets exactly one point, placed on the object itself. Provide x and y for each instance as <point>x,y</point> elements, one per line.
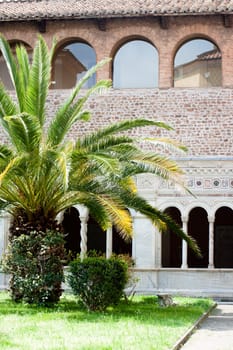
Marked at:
<point>96,237</point>
<point>71,225</point>
<point>223,238</point>
<point>120,245</point>
<point>171,243</point>
<point>198,228</point>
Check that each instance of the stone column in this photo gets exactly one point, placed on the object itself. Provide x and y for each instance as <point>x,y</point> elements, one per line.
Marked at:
<point>83,215</point>
<point>184,264</point>
<point>5,222</point>
<point>2,236</point>
<point>60,217</point>
<point>133,214</point>
<point>109,243</point>
<point>211,242</point>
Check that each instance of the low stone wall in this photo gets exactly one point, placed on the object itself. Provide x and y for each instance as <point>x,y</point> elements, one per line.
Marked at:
<point>190,282</point>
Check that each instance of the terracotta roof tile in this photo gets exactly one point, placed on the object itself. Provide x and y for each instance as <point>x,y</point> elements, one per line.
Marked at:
<point>210,55</point>
<point>11,10</point>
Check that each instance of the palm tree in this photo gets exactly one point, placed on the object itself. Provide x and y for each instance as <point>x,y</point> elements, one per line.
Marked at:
<point>42,174</point>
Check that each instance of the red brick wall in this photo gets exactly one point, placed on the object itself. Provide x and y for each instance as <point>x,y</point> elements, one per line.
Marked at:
<point>202,118</point>
<point>105,43</point>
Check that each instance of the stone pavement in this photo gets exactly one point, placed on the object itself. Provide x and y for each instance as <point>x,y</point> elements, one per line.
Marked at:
<point>215,332</point>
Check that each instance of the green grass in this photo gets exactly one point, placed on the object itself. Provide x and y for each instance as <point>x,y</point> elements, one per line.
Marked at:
<point>135,325</point>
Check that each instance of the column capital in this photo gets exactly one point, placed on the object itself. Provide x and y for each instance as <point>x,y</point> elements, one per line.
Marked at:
<point>184,218</point>
<point>211,218</point>
<point>83,211</point>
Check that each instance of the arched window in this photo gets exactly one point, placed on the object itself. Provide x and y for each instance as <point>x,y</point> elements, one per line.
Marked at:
<point>70,64</point>
<point>119,244</point>
<point>71,225</point>
<point>4,75</point>
<point>198,63</point>
<point>171,243</point>
<point>136,65</point>
<point>223,238</point>
<point>198,228</point>
<point>96,237</point>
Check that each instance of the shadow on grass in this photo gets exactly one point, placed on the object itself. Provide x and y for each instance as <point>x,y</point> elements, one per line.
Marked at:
<point>142,309</point>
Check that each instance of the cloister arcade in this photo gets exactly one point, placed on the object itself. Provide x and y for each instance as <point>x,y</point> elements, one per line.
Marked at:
<point>212,230</point>
<point>197,63</point>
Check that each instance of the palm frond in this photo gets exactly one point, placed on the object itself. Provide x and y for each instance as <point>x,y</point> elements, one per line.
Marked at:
<point>11,65</point>
<point>71,110</point>
<point>25,131</point>
<point>116,128</point>
<point>167,143</point>
<point>7,107</point>
<point>39,81</point>
<point>158,218</point>
<point>6,154</point>
<point>23,72</point>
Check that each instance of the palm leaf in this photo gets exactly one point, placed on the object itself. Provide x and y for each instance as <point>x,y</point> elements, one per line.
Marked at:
<point>7,107</point>
<point>39,81</point>
<point>23,72</point>
<point>11,66</point>
<point>69,112</point>
<point>116,128</point>
<point>25,131</point>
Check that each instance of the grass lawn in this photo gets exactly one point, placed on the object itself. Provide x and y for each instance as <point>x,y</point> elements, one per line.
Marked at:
<point>139,324</point>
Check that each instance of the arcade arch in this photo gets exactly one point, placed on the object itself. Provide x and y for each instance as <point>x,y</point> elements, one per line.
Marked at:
<point>4,75</point>
<point>223,238</point>
<point>213,231</point>
<point>96,239</point>
<point>171,243</point>
<point>71,61</point>
<point>136,65</point>
<point>198,63</point>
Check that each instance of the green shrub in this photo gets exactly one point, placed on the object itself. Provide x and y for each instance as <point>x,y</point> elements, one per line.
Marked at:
<point>97,281</point>
<point>34,262</point>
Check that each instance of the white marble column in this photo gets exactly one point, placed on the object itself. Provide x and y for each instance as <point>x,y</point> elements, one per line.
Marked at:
<point>109,243</point>
<point>2,235</point>
<point>184,264</point>
<point>133,214</point>
<point>83,215</point>
<point>211,242</point>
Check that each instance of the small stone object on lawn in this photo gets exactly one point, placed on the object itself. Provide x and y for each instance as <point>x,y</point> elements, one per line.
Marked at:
<point>165,300</point>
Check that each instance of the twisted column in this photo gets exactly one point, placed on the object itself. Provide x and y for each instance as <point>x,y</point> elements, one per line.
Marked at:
<point>184,264</point>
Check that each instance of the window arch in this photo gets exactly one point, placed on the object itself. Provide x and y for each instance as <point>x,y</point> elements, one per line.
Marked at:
<point>71,226</point>
<point>70,64</point>
<point>198,228</point>
<point>96,237</point>
<point>223,238</point>
<point>198,63</point>
<point>4,75</point>
<point>135,65</point>
<point>171,243</point>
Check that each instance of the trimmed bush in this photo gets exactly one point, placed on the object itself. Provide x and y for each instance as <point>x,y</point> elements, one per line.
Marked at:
<point>34,262</point>
<point>98,282</point>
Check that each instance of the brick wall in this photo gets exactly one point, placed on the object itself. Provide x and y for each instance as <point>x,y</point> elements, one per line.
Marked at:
<point>117,31</point>
<point>202,118</point>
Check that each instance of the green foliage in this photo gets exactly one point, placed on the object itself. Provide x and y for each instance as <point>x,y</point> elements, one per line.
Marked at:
<point>43,174</point>
<point>139,324</point>
<point>98,282</point>
<point>34,262</point>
